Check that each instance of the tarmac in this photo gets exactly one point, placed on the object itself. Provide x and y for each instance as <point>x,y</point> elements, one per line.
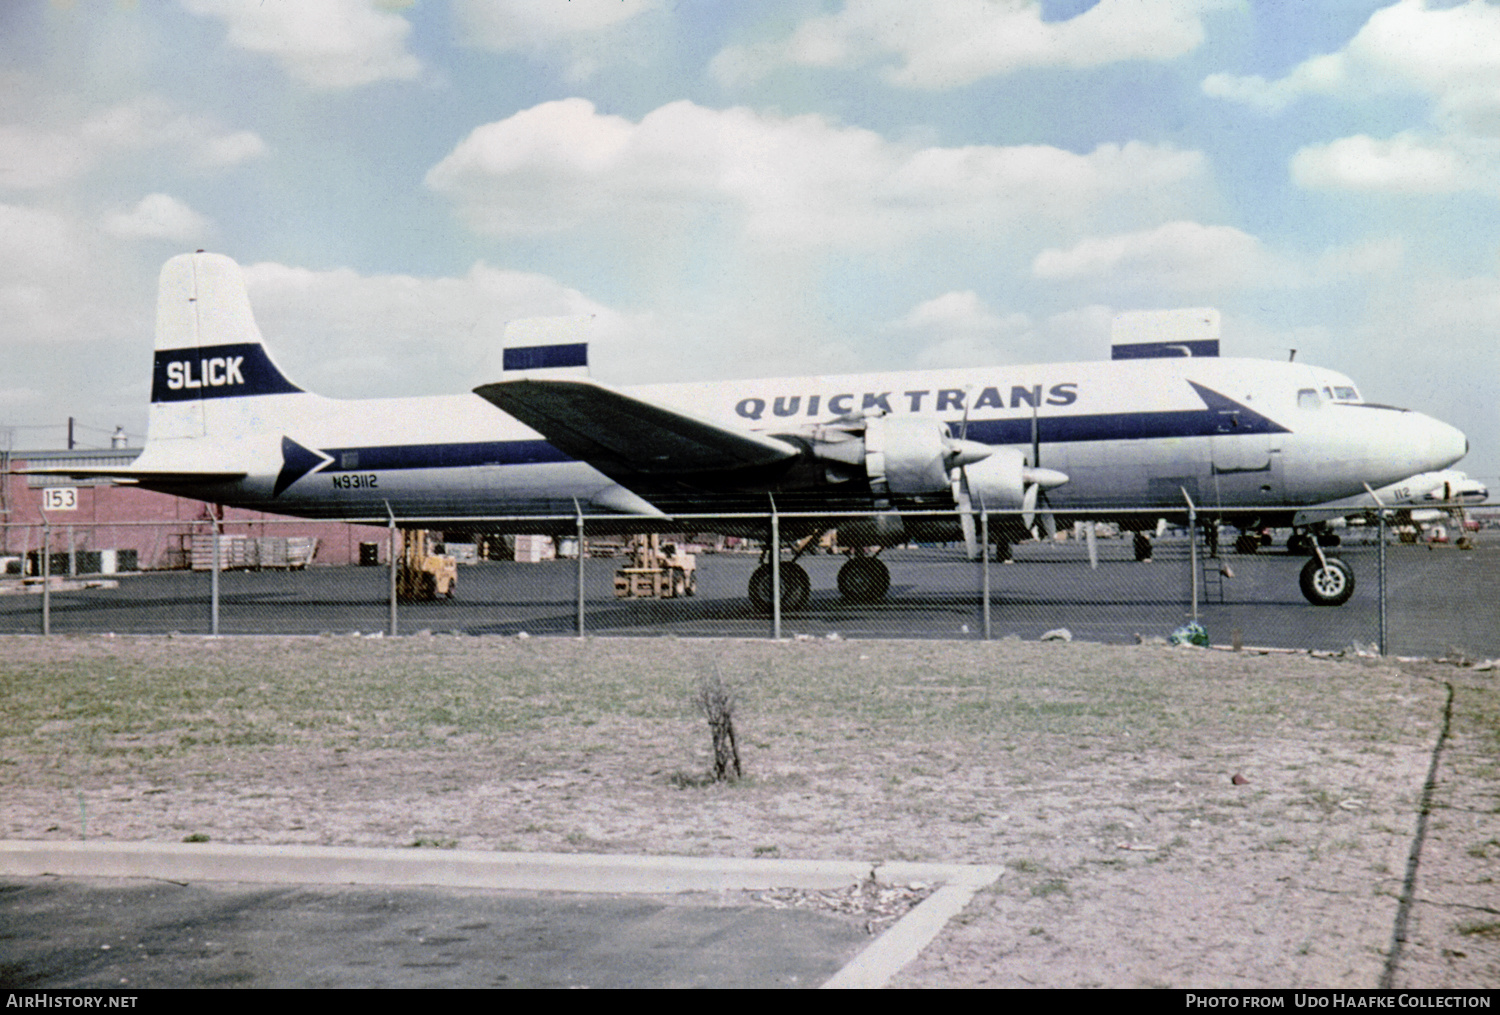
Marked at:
<point>1438,600</point>
<point>121,916</point>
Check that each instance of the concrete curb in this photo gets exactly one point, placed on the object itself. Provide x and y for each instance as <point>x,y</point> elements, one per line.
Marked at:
<point>542,872</point>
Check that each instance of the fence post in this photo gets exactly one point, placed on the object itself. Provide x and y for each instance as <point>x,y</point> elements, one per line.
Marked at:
<point>1381,579</point>
<point>775,573</point>
<point>391,627</point>
<point>1192,547</point>
<point>984,541</point>
<point>46,578</point>
<point>579,512</point>
<point>213,583</point>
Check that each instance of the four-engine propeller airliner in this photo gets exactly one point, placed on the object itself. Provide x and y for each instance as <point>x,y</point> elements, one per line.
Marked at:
<point>1150,429</point>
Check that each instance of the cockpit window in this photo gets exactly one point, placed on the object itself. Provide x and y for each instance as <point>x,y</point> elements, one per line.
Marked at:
<point>1308,398</point>
<point>1346,394</point>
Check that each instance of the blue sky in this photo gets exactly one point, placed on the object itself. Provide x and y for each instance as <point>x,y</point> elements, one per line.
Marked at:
<point>742,189</point>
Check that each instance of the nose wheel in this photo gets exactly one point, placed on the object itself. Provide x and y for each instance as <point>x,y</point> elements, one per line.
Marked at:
<point>864,579</point>
<point>1327,582</point>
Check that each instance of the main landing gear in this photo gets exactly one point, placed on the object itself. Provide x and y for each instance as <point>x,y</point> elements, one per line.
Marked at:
<point>861,580</point>
<point>864,579</point>
<point>796,587</point>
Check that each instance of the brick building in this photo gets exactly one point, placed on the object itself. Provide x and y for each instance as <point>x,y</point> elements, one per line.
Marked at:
<point>89,516</point>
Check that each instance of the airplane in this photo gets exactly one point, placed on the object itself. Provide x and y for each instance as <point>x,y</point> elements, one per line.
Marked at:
<point>1131,440</point>
<point>1415,501</point>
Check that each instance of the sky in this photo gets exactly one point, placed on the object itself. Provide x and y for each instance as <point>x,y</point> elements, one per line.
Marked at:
<point>737,189</point>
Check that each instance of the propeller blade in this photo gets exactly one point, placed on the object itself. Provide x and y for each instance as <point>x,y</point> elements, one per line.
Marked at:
<point>965,507</point>
<point>1028,505</point>
<point>1036,441</point>
<point>1091,537</point>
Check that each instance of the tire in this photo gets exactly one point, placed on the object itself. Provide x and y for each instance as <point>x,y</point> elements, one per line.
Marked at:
<point>1247,543</point>
<point>864,580</point>
<point>1329,585</point>
<point>796,588</point>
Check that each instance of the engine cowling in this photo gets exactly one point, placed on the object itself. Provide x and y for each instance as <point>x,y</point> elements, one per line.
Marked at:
<point>998,483</point>
<point>907,454</point>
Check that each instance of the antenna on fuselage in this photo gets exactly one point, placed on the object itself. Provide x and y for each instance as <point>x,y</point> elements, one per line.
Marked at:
<point>1292,356</point>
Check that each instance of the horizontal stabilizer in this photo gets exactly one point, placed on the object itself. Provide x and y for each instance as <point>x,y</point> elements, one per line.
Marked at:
<point>617,433</point>
<point>131,474</point>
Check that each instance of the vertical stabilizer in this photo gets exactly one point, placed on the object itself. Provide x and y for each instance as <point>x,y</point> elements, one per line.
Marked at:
<point>208,348</point>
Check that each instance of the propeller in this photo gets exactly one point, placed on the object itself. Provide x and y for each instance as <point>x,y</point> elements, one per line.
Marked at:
<point>963,452</point>
<point>1038,481</point>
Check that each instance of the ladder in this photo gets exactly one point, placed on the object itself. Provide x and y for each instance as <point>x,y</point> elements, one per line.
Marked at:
<point>1211,570</point>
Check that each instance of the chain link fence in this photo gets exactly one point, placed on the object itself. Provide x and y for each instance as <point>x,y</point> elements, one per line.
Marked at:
<point>1415,592</point>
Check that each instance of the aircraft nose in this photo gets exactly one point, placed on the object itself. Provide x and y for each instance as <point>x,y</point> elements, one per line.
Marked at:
<point>1449,443</point>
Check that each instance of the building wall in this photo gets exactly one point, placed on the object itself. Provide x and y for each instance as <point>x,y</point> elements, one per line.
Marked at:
<point>157,526</point>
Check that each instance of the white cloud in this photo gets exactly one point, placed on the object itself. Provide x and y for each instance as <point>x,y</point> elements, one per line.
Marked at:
<point>790,181</point>
<point>1403,164</point>
<point>956,329</point>
<point>342,333</point>
<point>1178,255</point>
<point>1191,257</point>
<point>958,42</point>
<point>321,43</point>
<point>519,24</point>
<point>36,243</point>
<point>35,156</point>
<point>227,150</point>
<point>1440,51</point>
<point>1320,75</point>
<point>158,217</point>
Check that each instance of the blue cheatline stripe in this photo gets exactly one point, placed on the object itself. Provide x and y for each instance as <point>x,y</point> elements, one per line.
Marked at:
<point>442,456</point>
<point>1219,417</point>
<point>546,357</point>
<point>1165,350</point>
<point>216,371</point>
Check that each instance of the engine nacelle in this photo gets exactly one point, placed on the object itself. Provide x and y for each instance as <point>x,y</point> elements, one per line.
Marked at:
<point>998,483</point>
<point>907,454</point>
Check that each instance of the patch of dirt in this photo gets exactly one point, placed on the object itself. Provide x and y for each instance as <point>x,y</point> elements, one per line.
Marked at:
<point>1103,779</point>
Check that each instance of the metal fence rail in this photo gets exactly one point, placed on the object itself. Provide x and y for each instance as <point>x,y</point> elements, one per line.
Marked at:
<point>231,578</point>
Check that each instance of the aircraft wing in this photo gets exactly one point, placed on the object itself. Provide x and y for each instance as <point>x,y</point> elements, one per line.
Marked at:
<point>617,433</point>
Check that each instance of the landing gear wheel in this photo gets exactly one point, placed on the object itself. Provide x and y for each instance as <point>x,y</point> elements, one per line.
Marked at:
<point>796,588</point>
<point>864,580</point>
<point>1142,547</point>
<point>1327,584</point>
<point>1248,542</point>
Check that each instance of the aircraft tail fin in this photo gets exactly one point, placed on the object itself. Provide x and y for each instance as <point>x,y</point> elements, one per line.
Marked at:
<point>209,351</point>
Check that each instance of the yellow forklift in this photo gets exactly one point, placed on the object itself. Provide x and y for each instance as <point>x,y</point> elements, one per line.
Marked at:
<point>656,570</point>
<point>425,572</point>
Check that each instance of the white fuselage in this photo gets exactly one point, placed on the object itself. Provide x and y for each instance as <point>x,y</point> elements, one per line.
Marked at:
<point>1231,433</point>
